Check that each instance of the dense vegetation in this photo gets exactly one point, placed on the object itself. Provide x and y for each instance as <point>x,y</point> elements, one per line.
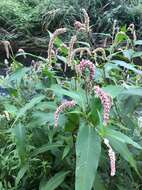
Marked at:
<point>73,119</point>
<point>28,18</point>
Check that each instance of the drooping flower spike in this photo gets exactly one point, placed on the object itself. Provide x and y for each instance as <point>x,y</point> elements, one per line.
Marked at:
<point>87,64</point>
<point>106,101</point>
<point>51,42</point>
<point>112,157</point>
<point>61,108</point>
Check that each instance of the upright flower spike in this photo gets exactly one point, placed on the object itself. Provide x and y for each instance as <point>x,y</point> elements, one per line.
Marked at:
<point>87,64</point>
<point>112,157</point>
<point>106,101</point>
<point>87,20</point>
<point>61,108</point>
<point>52,39</point>
<point>70,51</point>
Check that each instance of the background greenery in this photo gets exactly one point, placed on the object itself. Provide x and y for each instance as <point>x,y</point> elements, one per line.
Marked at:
<point>23,19</point>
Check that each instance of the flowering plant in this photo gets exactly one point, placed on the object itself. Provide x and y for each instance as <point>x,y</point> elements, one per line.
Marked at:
<point>69,120</point>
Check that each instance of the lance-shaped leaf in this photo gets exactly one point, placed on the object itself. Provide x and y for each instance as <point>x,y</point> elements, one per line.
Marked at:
<point>88,149</point>
<point>121,137</point>
<point>54,182</point>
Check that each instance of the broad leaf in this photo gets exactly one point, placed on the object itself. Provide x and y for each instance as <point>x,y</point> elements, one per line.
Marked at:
<point>88,149</point>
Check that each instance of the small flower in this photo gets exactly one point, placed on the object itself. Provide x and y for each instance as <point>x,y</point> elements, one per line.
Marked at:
<point>112,157</point>
<point>106,101</point>
<point>87,64</point>
<point>61,108</point>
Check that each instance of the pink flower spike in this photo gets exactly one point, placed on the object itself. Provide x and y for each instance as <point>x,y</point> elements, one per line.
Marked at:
<point>106,101</point>
<point>112,157</point>
<point>87,64</point>
<point>61,108</point>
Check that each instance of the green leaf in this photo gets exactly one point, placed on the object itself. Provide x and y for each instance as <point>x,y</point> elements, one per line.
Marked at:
<point>66,151</point>
<point>20,138</point>
<point>28,106</point>
<point>98,184</point>
<point>124,152</point>
<point>45,148</point>
<point>114,90</point>
<point>54,182</point>
<point>138,42</point>
<point>121,137</point>
<point>18,75</point>
<point>78,96</point>
<point>128,66</point>
<point>88,149</point>
<point>121,37</point>
<point>62,58</point>
<point>21,173</point>
<point>137,54</point>
<point>133,91</point>
<point>128,53</point>
<point>109,67</point>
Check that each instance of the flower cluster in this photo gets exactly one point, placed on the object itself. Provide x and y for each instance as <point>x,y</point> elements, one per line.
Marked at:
<point>112,158</point>
<point>87,64</point>
<point>61,108</point>
<point>106,101</point>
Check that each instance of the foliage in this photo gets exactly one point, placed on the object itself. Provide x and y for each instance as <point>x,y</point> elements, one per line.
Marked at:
<point>26,18</point>
<point>36,155</point>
